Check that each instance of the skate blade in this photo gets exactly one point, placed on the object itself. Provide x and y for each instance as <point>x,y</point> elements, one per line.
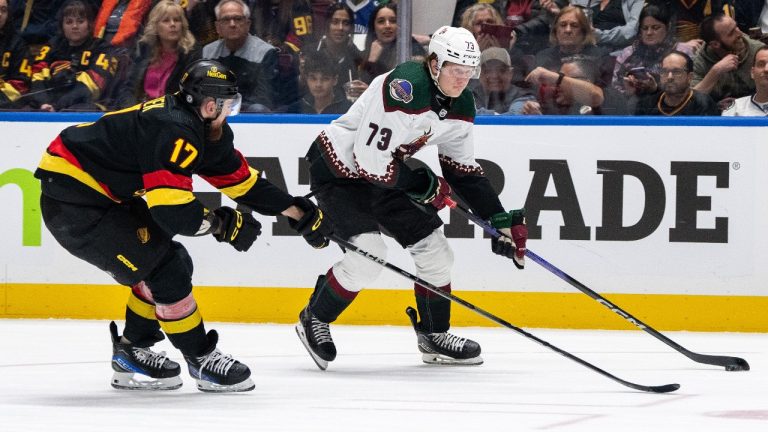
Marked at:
<point>439,359</point>
<point>134,381</point>
<point>322,364</point>
<point>209,387</point>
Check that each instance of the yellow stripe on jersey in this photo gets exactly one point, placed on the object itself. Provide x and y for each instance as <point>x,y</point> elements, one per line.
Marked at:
<point>140,307</point>
<point>183,325</point>
<point>86,79</point>
<point>242,188</point>
<point>62,166</point>
<point>10,91</point>
<point>167,196</point>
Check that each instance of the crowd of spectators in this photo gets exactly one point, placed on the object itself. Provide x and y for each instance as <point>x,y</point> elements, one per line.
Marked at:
<point>574,57</point>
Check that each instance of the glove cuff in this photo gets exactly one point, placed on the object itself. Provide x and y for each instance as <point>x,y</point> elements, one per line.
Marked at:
<point>431,192</point>
<point>508,219</point>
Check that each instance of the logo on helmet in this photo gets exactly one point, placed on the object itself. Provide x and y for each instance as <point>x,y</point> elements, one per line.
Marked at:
<point>401,90</point>
<point>213,72</point>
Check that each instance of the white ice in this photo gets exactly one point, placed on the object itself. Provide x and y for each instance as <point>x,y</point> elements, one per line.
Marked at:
<point>54,376</point>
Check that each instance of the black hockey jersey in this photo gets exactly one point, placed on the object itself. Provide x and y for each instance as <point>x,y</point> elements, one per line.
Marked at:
<point>152,150</point>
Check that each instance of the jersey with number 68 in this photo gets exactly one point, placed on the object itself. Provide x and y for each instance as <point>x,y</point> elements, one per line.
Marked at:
<point>151,150</point>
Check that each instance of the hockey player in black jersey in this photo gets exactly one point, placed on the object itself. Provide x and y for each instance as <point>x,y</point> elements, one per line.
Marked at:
<point>115,192</point>
<point>359,173</point>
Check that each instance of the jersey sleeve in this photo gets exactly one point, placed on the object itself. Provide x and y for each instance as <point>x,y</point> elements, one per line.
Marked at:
<point>227,170</point>
<point>464,174</point>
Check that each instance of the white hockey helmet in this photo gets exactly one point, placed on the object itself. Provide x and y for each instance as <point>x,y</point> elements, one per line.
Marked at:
<point>456,45</point>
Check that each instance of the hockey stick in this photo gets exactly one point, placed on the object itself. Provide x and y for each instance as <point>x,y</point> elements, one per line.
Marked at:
<point>349,246</point>
<point>729,363</point>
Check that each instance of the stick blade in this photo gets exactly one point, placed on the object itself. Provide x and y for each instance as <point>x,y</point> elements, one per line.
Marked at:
<point>737,364</point>
<point>667,388</point>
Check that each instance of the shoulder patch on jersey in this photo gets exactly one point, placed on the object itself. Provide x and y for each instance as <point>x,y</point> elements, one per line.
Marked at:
<point>407,89</point>
<point>401,90</point>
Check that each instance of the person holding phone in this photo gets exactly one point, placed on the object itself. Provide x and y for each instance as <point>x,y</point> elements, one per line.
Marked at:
<point>636,72</point>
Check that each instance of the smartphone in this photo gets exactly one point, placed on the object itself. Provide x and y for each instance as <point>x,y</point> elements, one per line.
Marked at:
<point>502,33</point>
<point>639,73</point>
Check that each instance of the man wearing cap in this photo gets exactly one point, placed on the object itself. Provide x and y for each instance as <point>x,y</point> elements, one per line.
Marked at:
<point>495,93</point>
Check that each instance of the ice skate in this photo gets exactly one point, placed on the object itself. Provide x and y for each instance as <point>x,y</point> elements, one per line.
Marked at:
<point>444,348</point>
<point>316,337</point>
<point>219,373</point>
<point>136,367</point>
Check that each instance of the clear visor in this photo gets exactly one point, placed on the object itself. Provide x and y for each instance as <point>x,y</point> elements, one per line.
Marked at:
<point>453,70</point>
<point>229,107</point>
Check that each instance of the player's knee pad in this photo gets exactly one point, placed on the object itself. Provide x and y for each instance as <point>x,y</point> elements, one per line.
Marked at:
<point>171,280</point>
<point>354,270</point>
<point>433,258</point>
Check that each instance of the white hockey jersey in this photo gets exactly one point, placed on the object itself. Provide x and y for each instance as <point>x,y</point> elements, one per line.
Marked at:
<point>746,107</point>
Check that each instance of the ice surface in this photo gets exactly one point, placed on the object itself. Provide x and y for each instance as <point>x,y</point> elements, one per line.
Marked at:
<point>54,376</point>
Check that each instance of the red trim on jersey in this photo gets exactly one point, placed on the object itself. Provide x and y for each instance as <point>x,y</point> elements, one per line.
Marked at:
<point>424,292</point>
<point>57,148</point>
<point>238,176</point>
<point>337,288</point>
<point>165,178</point>
<point>467,119</point>
<point>459,169</point>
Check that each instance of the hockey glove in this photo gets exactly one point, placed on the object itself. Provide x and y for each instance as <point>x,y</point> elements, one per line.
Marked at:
<point>511,243</point>
<point>236,228</point>
<point>436,193</point>
<point>313,226</point>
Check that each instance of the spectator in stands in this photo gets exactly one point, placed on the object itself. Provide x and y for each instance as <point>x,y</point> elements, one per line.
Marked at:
<point>496,93</point>
<point>722,68</point>
<point>120,22</point>
<point>688,15</point>
<point>336,44</point>
<point>380,54</point>
<point>165,49</point>
<point>473,19</point>
<point>615,22</point>
<point>322,76</point>
<point>35,20</point>
<point>676,97</point>
<point>13,82</point>
<point>756,104</point>
<point>281,22</point>
<point>202,20</point>
<point>532,20</point>
<point>637,67</point>
<point>253,60</point>
<point>286,25</point>
<point>571,91</point>
<point>75,69</point>
<point>572,34</point>
<point>363,9</point>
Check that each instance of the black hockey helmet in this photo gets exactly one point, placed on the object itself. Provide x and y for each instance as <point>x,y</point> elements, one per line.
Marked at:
<point>207,78</point>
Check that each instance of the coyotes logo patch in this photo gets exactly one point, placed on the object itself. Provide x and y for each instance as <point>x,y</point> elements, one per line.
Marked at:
<point>401,90</point>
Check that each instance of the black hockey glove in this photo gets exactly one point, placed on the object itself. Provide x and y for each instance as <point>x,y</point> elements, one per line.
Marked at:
<point>313,226</point>
<point>438,190</point>
<point>515,234</point>
<point>236,228</point>
<point>79,94</point>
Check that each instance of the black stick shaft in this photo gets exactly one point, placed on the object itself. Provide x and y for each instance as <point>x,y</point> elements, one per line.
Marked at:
<point>349,246</point>
<point>728,362</point>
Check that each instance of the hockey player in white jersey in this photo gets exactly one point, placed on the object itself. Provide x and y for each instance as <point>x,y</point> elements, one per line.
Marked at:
<point>359,174</point>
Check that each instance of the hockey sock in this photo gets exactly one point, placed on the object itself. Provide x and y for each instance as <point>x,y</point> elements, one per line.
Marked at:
<point>184,326</point>
<point>140,320</point>
<point>434,311</point>
<point>329,299</point>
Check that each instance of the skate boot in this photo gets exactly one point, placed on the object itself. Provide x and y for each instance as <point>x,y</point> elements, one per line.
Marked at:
<point>316,337</point>
<point>444,348</point>
<point>218,373</point>
<point>136,367</point>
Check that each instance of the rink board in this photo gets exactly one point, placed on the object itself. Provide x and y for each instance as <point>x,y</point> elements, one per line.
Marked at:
<point>663,217</point>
